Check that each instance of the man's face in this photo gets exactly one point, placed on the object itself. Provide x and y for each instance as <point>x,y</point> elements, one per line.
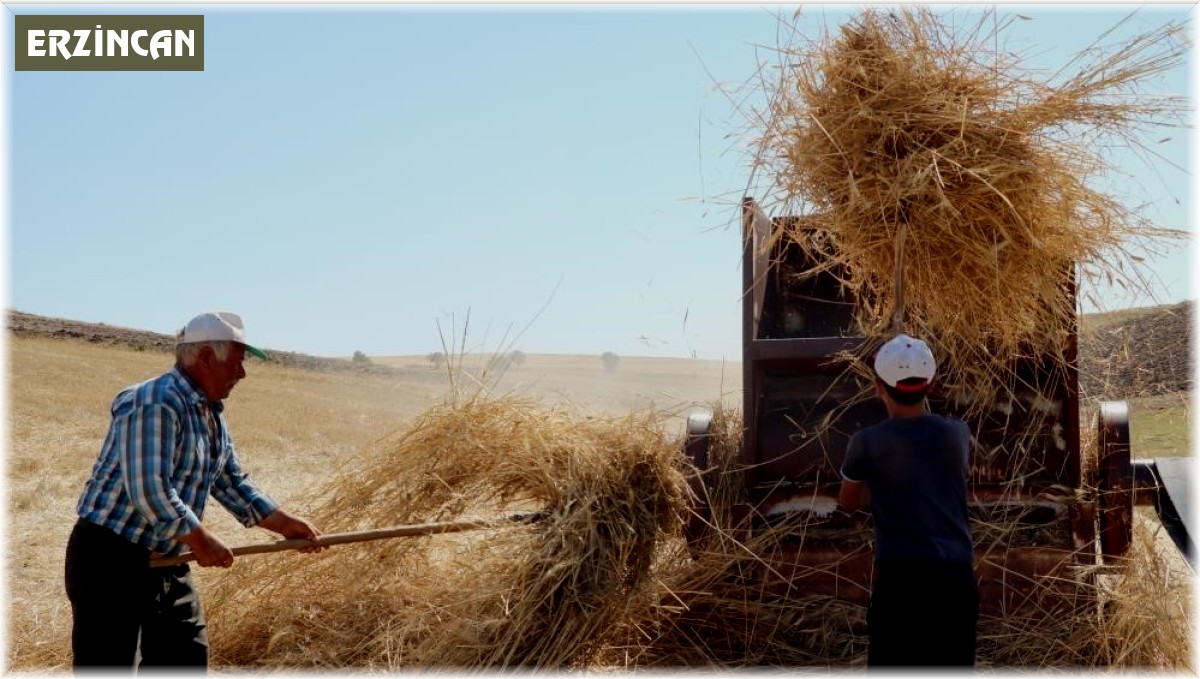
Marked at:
<point>224,375</point>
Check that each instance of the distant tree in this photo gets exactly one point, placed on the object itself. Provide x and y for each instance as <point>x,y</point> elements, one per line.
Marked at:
<point>360,357</point>
<point>610,360</point>
<point>517,357</point>
<point>436,359</point>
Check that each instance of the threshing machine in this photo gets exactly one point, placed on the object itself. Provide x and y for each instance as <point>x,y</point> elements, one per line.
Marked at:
<point>1044,514</point>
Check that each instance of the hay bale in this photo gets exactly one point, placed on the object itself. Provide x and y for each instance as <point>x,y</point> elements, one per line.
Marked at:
<point>959,191</point>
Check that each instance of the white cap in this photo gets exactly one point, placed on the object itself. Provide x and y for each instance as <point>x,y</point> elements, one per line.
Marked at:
<point>904,357</point>
<point>217,326</point>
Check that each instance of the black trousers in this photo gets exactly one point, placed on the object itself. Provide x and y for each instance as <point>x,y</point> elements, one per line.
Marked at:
<point>127,614</point>
<point>922,614</point>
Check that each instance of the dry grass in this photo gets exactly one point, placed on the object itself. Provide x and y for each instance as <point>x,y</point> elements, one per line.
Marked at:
<point>541,595</point>
<point>926,162</point>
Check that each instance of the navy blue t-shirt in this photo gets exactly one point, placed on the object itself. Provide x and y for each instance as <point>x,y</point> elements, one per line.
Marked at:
<point>916,471</point>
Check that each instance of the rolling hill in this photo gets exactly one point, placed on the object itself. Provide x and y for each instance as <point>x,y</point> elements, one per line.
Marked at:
<point>1131,352</point>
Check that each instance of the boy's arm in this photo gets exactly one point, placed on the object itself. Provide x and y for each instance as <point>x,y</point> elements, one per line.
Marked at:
<point>853,495</point>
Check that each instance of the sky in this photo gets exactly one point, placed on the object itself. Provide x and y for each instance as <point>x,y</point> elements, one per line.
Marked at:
<point>392,179</point>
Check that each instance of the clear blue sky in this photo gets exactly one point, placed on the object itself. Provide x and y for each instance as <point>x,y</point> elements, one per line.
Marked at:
<point>346,179</point>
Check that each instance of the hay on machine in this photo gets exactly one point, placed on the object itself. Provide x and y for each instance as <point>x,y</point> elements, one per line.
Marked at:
<point>959,193</point>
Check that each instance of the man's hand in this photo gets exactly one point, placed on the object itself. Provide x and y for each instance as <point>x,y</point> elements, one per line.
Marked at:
<point>292,527</point>
<point>209,550</point>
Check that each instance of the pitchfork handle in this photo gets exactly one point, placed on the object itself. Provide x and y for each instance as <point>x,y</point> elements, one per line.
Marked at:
<point>343,538</point>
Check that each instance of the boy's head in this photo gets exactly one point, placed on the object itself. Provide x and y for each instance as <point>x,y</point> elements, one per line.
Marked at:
<point>906,368</point>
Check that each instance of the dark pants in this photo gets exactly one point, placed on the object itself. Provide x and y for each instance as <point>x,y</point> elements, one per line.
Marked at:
<point>122,607</point>
<point>922,614</point>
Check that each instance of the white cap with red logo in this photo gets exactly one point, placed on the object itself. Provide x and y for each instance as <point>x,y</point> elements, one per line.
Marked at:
<point>904,357</point>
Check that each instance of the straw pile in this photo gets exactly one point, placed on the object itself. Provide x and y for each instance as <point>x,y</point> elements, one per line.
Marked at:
<point>718,610</point>
<point>604,580</point>
<point>957,190</point>
<point>1136,615</point>
<point>541,594</point>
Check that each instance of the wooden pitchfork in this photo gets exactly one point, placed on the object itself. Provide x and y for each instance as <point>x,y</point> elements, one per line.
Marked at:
<point>413,530</point>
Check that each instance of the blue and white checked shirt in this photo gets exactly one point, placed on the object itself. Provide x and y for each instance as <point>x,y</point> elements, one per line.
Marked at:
<point>159,464</point>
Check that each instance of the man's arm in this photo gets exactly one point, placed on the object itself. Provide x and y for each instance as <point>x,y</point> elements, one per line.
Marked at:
<point>208,548</point>
<point>238,494</point>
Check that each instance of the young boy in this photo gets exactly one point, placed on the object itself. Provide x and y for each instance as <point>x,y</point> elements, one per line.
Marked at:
<point>911,470</point>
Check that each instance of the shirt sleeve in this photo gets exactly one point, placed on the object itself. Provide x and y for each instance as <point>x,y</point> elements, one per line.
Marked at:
<point>235,491</point>
<point>145,441</point>
<point>854,467</point>
<point>965,434</point>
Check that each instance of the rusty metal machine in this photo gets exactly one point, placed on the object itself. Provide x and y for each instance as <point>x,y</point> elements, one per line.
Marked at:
<point>1055,512</point>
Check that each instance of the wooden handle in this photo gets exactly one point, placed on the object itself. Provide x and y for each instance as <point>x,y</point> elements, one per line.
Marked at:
<point>342,538</point>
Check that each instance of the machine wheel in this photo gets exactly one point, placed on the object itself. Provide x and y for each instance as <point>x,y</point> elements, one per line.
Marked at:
<point>1115,472</point>
<point>695,451</point>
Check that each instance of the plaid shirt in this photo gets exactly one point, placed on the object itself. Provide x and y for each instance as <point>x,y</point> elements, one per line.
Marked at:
<point>161,460</point>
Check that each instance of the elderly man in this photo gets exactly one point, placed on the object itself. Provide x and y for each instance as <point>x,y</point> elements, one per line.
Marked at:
<point>168,448</point>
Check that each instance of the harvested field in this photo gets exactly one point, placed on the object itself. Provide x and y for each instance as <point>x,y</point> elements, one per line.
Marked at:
<point>1161,340</point>
<point>294,425</point>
